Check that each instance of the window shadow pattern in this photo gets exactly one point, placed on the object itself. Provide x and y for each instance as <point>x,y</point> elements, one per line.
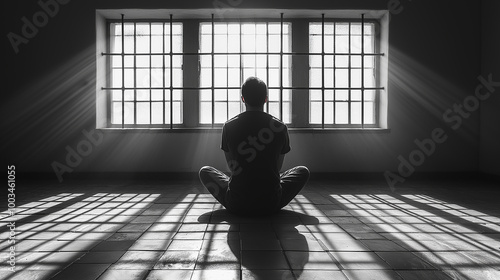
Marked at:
<point>180,232</point>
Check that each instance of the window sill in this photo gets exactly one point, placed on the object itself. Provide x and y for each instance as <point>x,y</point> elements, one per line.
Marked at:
<point>339,130</point>
<point>291,130</point>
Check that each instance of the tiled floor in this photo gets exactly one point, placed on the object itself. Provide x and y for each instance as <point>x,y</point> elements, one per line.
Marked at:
<point>334,229</point>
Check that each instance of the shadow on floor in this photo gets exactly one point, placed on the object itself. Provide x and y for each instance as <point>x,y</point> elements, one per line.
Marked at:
<point>257,243</point>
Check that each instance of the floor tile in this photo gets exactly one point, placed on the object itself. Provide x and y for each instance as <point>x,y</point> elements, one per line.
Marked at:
<point>177,260</point>
<point>221,244</point>
<point>404,260</point>
<point>382,245</point>
<point>359,260</point>
<point>258,235</point>
<point>210,274</point>
<point>311,260</point>
<point>164,227</point>
<point>344,245</point>
<point>147,219</point>
<point>119,236</point>
<point>423,274</point>
<point>183,274</point>
<point>150,245</point>
<point>81,272</point>
<point>137,260</point>
<point>318,274</point>
<point>158,235</point>
<point>302,244</point>
<point>55,259</point>
<point>28,274</point>
<point>193,227</point>
<point>135,228</point>
<point>101,257</point>
<point>260,244</point>
<point>258,274</point>
<point>368,274</point>
<point>450,260</point>
<point>325,228</point>
<point>219,257</point>
<point>123,275</point>
<point>476,274</point>
<point>489,258</point>
<point>263,260</point>
<point>119,245</point>
<point>187,245</point>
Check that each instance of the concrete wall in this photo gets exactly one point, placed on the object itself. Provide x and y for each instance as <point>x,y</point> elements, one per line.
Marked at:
<point>490,108</point>
<point>50,95</point>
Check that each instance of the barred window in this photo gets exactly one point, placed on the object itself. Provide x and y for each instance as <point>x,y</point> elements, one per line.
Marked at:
<point>343,88</point>
<point>146,73</point>
<point>324,70</point>
<point>229,54</point>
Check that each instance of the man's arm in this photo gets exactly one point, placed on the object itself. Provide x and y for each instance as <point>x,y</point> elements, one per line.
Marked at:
<point>228,158</point>
<point>280,161</point>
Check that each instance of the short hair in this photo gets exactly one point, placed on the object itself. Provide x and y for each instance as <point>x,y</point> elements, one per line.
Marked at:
<point>254,91</point>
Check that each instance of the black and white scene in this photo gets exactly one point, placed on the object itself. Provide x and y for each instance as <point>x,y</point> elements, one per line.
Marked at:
<point>250,140</point>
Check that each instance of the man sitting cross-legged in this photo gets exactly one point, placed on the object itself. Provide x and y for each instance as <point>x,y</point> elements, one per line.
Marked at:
<point>255,144</point>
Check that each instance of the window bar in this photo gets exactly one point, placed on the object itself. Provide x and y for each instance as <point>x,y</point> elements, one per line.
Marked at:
<point>237,87</point>
<point>135,72</point>
<point>244,53</point>
<point>255,48</point>
<point>349,75</point>
<point>227,70</point>
<point>267,64</point>
<point>163,76</point>
<point>322,71</point>
<point>334,68</point>
<point>150,77</point>
<point>123,71</point>
<point>171,75</point>
<point>362,70</point>
<point>281,68</point>
<point>213,71</point>
<point>241,61</point>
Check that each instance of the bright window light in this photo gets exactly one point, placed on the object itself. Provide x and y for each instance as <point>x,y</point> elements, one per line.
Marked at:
<point>239,51</point>
<point>343,88</point>
<point>146,84</point>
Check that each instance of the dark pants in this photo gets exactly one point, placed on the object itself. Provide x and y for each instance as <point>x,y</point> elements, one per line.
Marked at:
<point>292,181</point>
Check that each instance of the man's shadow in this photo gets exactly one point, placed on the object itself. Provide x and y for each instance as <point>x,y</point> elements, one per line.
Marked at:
<point>248,242</point>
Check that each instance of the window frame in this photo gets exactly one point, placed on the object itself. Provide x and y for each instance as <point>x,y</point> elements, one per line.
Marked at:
<point>299,75</point>
<point>280,87</point>
<point>109,93</point>
<point>377,63</point>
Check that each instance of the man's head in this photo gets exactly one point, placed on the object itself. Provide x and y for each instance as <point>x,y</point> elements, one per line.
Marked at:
<point>254,92</point>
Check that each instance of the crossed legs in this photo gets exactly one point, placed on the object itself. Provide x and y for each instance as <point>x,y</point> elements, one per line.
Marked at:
<point>292,182</point>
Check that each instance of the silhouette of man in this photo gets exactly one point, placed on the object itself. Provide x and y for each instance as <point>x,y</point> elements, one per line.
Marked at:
<point>255,144</point>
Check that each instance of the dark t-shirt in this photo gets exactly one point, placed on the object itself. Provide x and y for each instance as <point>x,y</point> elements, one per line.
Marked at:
<point>255,140</point>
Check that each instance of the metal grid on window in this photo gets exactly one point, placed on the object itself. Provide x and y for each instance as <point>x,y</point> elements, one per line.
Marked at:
<point>145,79</point>
<point>146,75</point>
<point>230,52</point>
<point>343,74</point>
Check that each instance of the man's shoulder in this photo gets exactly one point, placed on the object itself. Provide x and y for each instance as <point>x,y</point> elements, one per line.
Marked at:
<point>232,121</point>
<point>261,117</point>
<point>276,120</point>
